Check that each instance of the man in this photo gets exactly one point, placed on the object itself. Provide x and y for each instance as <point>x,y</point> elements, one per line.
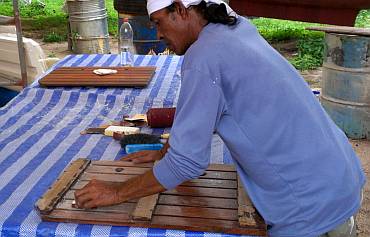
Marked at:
<point>298,168</point>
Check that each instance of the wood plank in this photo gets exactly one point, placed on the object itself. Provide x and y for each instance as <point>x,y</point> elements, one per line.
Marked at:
<point>127,207</point>
<point>120,163</point>
<point>221,167</point>
<point>192,224</point>
<point>106,177</point>
<point>218,175</point>
<point>53,195</point>
<point>201,224</point>
<point>203,192</point>
<point>193,212</point>
<point>211,183</point>
<point>116,170</point>
<point>123,177</point>
<point>342,30</point>
<point>70,196</point>
<point>246,210</point>
<point>205,183</point>
<point>87,216</point>
<point>145,207</point>
<point>197,201</point>
<point>84,76</point>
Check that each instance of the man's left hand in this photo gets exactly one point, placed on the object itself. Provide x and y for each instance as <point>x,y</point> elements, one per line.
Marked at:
<point>98,193</point>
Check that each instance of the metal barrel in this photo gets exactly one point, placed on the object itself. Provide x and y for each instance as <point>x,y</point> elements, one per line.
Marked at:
<point>346,83</point>
<point>145,33</point>
<point>89,26</point>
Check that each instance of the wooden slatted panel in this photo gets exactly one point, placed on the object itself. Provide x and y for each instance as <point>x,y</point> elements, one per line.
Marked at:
<point>209,203</point>
<point>84,76</point>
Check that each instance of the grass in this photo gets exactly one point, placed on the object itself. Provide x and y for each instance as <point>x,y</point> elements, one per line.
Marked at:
<point>51,22</point>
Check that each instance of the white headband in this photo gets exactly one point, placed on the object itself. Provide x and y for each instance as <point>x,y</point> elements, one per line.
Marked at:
<point>156,5</point>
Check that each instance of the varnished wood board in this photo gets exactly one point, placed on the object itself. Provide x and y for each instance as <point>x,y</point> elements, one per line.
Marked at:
<point>84,76</point>
<point>209,203</point>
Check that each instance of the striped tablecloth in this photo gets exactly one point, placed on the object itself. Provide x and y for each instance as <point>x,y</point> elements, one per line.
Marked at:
<point>40,136</point>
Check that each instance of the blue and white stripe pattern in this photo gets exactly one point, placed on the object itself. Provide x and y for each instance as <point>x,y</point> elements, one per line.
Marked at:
<point>40,135</point>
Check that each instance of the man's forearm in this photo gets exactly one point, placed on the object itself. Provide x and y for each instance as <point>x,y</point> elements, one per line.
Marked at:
<point>140,186</point>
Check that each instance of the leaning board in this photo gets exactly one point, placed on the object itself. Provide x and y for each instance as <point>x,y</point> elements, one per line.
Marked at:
<point>84,76</point>
<point>215,202</point>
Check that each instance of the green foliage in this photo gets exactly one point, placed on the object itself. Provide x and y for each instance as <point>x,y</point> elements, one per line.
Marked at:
<point>309,43</point>
<point>363,19</point>
<point>274,30</point>
<point>54,37</point>
<point>310,53</point>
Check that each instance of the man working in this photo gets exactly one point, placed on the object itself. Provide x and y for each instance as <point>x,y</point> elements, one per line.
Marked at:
<point>298,168</point>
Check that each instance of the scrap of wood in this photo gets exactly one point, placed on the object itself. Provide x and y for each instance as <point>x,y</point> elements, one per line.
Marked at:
<point>46,203</point>
<point>145,207</point>
<point>246,211</point>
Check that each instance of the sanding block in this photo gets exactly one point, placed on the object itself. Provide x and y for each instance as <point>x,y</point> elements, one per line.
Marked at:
<point>120,129</point>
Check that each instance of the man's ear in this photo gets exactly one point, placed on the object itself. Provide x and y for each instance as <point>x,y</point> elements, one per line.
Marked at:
<point>181,10</point>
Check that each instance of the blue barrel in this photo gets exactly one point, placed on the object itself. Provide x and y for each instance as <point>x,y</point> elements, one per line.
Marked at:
<point>346,83</point>
<point>145,33</point>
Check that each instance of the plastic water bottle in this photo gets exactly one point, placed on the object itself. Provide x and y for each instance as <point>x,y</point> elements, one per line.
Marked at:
<point>127,49</point>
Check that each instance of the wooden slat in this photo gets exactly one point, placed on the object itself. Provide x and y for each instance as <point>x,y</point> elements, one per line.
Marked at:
<point>145,208</point>
<point>342,30</point>
<point>203,192</point>
<point>107,177</point>
<point>211,183</point>
<point>128,207</point>
<point>116,170</point>
<point>194,212</point>
<point>218,175</point>
<point>123,177</point>
<point>87,216</point>
<point>84,76</point>
<point>221,167</point>
<point>246,211</point>
<point>70,196</point>
<point>198,201</point>
<point>201,224</point>
<point>54,194</point>
<point>120,163</point>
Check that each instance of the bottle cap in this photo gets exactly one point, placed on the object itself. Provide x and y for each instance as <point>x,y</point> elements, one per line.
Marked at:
<point>125,19</point>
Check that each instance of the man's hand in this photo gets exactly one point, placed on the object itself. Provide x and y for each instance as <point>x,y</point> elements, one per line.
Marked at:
<point>143,157</point>
<point>101,193</point>
<point>98,193</point>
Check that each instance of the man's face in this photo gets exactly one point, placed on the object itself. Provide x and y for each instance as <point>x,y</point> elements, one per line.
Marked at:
<point>172,27</point>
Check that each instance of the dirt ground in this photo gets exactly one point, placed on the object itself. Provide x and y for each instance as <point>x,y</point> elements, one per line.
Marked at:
<point>313,77</point>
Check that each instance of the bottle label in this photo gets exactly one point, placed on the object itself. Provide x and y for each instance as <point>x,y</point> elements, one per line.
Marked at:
<point>127,58</point>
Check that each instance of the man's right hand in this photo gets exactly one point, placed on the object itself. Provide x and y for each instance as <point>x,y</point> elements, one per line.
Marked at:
<point>143,157</point>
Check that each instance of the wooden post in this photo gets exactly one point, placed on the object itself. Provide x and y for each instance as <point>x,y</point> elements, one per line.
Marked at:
<point>21,51</point>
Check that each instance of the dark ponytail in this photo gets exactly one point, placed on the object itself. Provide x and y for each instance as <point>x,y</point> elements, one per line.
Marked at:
<point>213,13</point>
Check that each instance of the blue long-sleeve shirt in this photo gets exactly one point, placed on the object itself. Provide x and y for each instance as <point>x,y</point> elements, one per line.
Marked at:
<point>298,167</point>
